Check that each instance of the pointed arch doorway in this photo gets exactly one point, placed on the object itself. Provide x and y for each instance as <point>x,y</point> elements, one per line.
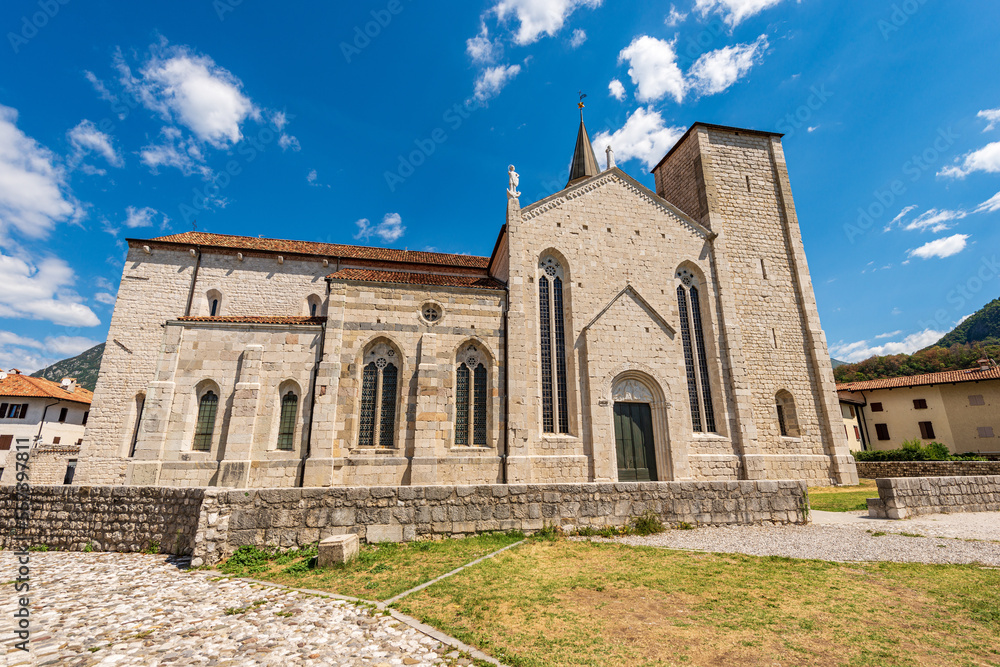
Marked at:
<point>634,432</point>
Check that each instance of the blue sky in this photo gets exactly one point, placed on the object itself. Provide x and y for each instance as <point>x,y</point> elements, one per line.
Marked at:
<point>393,122</point>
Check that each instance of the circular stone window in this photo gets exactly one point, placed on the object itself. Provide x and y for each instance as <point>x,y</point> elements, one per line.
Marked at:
<point>430,312</point>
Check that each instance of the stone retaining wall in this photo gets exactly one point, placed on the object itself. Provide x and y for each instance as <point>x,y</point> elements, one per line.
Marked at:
<point>901,498</point>
<point>109,518</point>
<point>878,469</point>
<point>211,523</point>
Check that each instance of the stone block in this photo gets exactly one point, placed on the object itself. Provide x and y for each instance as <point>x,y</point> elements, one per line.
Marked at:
<point>384,533</point>
<point>337,549</point>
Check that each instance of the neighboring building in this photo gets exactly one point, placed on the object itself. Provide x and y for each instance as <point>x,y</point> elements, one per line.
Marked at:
<point>46,419</point>
<point>615,333</point>
<point>960,409</point>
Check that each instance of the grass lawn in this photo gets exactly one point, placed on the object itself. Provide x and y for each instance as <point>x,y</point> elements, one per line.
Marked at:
<point>380,571</point>
<point>842,498</point>
<point>578,603</point>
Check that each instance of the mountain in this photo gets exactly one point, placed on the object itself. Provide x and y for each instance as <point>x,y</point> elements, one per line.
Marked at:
<point>84,367</point>
<point>837,363</point>
<point>977,337</point>
<point>983,326</point>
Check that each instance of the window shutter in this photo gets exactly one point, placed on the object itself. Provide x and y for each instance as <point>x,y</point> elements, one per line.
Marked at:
<point>5,441</point>
<point>919,404</point>
<point>876,407</point>
<point>882,430</point>
<point>3,410</point>
<point>926,430</point>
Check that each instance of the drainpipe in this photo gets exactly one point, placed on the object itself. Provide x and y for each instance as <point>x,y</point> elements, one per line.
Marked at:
<point>312,390</point>
<point>506,388</point>
<point>865,436</point>
<point>41,422</point>
<point>194,281</point>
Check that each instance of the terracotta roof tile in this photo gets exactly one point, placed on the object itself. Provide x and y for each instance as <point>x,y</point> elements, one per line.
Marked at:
<point>24,386</point>
<point>325,249</point>
<point>946,377</point>
<point>255,319</point>
<point>404,278</point>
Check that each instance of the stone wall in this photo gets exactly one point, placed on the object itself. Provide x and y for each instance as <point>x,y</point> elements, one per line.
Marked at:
<point>110,518</point>
<point>902,498</point>
<point>212,523</point>
<point>878,469</point>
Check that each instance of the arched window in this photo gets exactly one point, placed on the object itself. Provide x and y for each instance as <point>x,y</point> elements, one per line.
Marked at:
<point>208,406</point>
<point>379,382</point>
<point>471,397</point>
<point>213,300</point>
<point>695,361</point>
<point>313,306</point>
<point>553,347</point>
<point>788,419</point>
<point>286,427</point>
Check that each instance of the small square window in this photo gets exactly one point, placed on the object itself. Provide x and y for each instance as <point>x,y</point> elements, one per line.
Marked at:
<point>882,431</point>
<point>919,404</point>
<point>986,432</point>
<point>976,400</point>
<point>56,440</point>
<point>876,407</point>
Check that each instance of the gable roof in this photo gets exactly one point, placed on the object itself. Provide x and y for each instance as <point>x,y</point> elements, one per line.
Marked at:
<point>584,186</point>
<point>16,385</point>
<point>945,377</point>
<point>631,290</point>
<point>408,278</point>
<point>321,249</point>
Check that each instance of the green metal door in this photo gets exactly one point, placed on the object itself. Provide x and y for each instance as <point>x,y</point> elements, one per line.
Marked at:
<point>634,442</point>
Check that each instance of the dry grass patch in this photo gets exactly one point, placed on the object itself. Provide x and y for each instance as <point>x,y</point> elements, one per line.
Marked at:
<point>578,603</point>
<point>842,498</point>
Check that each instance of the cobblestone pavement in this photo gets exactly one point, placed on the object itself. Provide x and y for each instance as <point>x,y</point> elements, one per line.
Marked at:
<point>133,609</point>
<point>939,538</point>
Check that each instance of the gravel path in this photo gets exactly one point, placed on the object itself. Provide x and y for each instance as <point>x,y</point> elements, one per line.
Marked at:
<point>143,610</point>
<point>946,539</point>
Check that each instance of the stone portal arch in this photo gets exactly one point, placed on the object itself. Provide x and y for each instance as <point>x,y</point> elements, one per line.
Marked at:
<point>641,428</point>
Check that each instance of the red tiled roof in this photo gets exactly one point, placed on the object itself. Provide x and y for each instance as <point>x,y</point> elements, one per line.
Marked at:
<point>324,249</point>
<point>847,397</point>
<point>404,278</point>
<point>23,386</point>
<point>255,319</point>
<point>946,377</point>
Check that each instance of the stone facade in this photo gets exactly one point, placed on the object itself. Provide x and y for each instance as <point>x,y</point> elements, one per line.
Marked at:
<point>877,469</point>
<point>211,523</point>
<point>251,319</point>
<point>904,498</point>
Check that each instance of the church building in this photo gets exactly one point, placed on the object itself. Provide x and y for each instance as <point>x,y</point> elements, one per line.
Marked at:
<point>615,333</point>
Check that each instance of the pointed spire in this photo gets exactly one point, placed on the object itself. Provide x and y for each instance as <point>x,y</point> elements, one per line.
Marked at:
<point>584,163</point>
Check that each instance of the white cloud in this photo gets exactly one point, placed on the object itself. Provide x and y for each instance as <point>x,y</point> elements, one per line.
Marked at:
<point>734,11</point>
<point>33,192</point>
<point>616,89</point>
<point>26,361</point>
<point>389,230</point>
<point>105,298</point>
<point>142,217</point>
<point>69,346</point>
<point>42,292</point>
<point>645,136</point>
<point>482,49</point>
<point>312,176</point>
<point>862,349</point>
<point>279,119</point>
<point>902,214</point>
<point>578,38</point>
<point>674,18</point>
<point>191,90</point>
<point>985,159</point>
<point>653,68</point>
<point>943,247</point>
<point>715,71</point>
<point>934,220</point>
<point>891,334</point>
<point>11,338</point>
<point>990,205</point>
<point>493,79</point>
<point>287,141</point>
<point>992,117</point>
<point>175,150</point>
<point>86,138</point>
<point>538,17</point>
